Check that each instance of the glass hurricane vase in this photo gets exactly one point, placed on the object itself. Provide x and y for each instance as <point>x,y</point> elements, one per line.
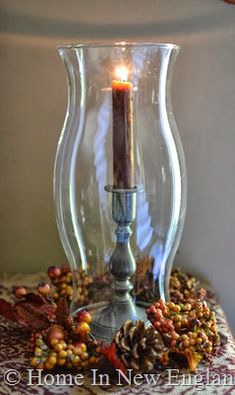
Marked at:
<point>120,242</point>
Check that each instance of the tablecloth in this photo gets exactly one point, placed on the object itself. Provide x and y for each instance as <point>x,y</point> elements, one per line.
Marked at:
<point>16,378</point>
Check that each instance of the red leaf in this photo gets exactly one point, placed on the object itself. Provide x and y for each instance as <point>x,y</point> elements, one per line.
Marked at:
<point>30,316</point>
<point>35,299</point>
<point>110,353</point>
<point>7,311</point>
<point>62,312</point>
<point>38,302</point>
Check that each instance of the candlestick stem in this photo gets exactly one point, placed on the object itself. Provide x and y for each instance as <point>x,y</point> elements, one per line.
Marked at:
<point>122,267</point>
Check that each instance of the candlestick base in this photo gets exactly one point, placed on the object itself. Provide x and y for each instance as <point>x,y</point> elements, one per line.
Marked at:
<point>108,320</point>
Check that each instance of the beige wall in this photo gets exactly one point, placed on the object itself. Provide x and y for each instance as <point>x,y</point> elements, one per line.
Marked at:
<point>33,102</point>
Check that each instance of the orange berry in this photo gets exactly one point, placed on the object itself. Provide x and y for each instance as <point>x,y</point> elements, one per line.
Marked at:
<point>49,366</point>
<point>70,347</point>
<point>84,327</point>
<point>44,288</point>
<point>84,356</point>
<point>61,361</point>
<point>34,362</point>
<point>54,342</point>
<point>58,347</point>
<point>52,360</point>
<point>20,292</point>
<point>92,359</point>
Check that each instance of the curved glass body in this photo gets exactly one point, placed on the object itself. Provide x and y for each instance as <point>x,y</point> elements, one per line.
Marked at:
<point>85,162</point>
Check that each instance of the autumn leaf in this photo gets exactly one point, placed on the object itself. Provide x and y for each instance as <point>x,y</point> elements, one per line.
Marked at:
<point>7,311</point>
<point>33,311</point>
<point>62,312</point>
<point>31,317</point>
<point>110,353</point>
<point>193,359</point>
<point>144,267</point>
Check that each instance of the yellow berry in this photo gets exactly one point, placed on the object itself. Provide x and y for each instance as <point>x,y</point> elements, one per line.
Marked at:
<point>84,364</point>
<point>84,347</point>
<point>186,343</point>
<point>76,360</point>
<point>38,351</point>
<point>63,354</point>
<point>171,306</point>
<point>39,342</point>
<point>69,365</point>
<point>69,291</point>
<point>177,309</point>
<point>84,327</point>
<point>77,351</point>
<point>64,345</point>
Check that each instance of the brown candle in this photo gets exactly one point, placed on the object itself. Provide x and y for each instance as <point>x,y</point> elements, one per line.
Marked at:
<point>123,150</point>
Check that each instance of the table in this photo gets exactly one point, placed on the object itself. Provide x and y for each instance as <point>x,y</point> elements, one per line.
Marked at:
<point>14,355</point>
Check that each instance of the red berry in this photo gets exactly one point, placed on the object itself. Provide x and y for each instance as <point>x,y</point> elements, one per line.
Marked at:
<point>156,324</point>
<point>152,309</point>
<point>84,316</point>
<point>54,272</point>
<point>158,314</point>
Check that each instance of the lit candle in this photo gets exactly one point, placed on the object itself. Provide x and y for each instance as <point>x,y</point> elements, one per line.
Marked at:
<point>123,150</point>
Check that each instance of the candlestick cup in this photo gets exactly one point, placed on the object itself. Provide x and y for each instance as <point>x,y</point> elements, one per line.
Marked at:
<point>119,180</point>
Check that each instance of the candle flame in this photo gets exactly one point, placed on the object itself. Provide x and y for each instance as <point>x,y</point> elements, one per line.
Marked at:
<point>121,73</point>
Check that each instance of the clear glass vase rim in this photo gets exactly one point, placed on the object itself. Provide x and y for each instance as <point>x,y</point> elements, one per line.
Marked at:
<point>119,44</point>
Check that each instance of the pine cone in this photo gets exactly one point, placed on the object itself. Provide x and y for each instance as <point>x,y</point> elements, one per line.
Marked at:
<point>138,346</point>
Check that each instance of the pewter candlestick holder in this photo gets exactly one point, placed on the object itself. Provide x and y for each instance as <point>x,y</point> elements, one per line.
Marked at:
<point>87,215</point>
<point>122,267</point>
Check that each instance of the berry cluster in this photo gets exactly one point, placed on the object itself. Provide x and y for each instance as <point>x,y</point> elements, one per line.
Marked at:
<point>62,285</point>
<point>184,287</point>
<point>49,355</point>
<point>186,328</point>
<point>70,346</point>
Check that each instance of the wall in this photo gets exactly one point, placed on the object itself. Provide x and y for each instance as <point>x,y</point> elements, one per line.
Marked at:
<point>33,90</point>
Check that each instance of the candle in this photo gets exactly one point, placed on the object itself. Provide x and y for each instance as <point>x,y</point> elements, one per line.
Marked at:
<point>123,150</point>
